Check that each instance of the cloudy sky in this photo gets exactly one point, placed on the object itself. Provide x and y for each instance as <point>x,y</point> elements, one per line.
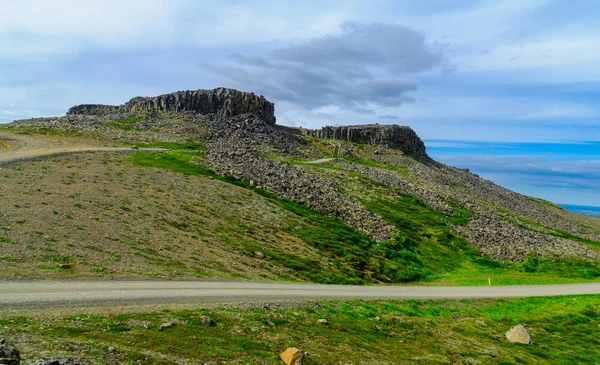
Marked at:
<point>510,89</point>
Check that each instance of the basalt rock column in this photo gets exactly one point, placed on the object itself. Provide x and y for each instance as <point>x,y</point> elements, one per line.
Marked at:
<point>221,101</point>
<point>391,136</point>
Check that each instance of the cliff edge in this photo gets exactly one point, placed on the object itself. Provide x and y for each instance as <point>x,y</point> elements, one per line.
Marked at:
<point>220,101</point>
<point>391,136</point>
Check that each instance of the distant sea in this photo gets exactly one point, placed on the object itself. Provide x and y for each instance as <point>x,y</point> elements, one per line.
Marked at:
<point>583,209</point>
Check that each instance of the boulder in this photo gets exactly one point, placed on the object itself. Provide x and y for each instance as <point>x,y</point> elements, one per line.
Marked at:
<point>323,321</point>
<point>292,356</point>
<point>9,354</point>
<point>166,325</point>
<point>518,334</point>
<point>207,321</point>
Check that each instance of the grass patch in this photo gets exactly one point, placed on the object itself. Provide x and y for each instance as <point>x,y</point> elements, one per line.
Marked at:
<point>426,237</point>
<point>445,258</point>
<point>478,270</point>
<point>190,146</point>
<point>126,124</point>
<point>7,240</point>
<point>563,330</point>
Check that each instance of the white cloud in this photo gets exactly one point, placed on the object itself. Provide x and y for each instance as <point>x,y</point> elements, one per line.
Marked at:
<point>108,19</point>
<point>33,27</point>
<point>542,53</point>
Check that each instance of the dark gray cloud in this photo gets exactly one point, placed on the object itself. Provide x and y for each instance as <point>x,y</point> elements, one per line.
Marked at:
<point>365,65</point>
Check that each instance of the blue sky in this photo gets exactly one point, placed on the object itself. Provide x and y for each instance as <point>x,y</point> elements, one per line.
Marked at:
<point>510,89</point>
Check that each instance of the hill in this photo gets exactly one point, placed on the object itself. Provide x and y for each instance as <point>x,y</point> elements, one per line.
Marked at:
<point>226,192</point>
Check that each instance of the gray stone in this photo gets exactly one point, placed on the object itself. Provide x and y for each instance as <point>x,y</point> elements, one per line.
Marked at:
<point>518,334</point>
<point>237,330</point>
<point>166,325</point>
<point>9,354</point>
<point>323,321</point>
<point>207,321</point>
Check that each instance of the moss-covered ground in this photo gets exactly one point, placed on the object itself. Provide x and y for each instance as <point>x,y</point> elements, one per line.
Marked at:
<point>563,329</point>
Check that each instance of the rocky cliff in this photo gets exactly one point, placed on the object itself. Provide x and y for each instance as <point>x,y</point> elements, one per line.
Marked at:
<point>94,109</point>
<point>391,136</point>
<point>221,101</point>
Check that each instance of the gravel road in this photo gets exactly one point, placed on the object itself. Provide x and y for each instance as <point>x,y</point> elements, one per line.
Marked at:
<point>60,294</point>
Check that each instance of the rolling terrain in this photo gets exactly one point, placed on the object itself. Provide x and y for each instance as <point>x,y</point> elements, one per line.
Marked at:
<point>118,221</point>
<point>233,195</point>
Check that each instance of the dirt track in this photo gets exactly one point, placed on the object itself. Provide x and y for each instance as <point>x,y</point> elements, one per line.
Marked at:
<point>19,147</point>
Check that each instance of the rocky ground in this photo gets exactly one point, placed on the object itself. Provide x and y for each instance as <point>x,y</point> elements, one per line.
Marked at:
<point>236,150</point>
<point>502,224</point>
<point>99,214</point>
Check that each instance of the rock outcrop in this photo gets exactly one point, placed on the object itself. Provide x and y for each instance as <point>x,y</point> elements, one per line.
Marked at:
<point>221,101</point>
<point>234,146</point>
<point>93,109</point>
<point>390,136</point>
<point>9,354</point>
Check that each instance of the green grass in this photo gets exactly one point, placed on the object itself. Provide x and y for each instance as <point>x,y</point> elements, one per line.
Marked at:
<point>480,271</point>
<point>126,124</point>
<point>428,239</point>
<point>7,240</point>
<point>426,248</point>
<point>190,146</point>
<point>563,329</point>
<point>359,259</point>
<point>447,259</point>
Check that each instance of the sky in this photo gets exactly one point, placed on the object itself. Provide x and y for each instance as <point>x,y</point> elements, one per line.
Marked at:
<point>509,89</point>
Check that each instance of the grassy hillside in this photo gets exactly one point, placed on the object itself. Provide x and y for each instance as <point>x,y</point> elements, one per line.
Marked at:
<point>165,214</point>
<point>563,329</point>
